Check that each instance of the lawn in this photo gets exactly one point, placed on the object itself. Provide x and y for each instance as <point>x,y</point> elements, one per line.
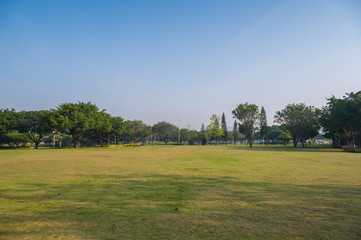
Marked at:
<point>180,192</point>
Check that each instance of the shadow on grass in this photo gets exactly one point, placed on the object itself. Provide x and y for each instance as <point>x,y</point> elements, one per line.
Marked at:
<point>312,148</point>
<point>179,207</point>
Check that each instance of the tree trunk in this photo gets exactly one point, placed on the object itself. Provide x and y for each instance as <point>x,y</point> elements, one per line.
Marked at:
<point>76,144</point>
<point>295,142</point>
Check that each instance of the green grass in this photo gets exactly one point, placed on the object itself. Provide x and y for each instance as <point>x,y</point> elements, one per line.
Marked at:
<point>221,192</point>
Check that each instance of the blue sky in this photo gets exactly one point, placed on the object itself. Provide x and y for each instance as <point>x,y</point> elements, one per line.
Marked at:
<point>150,60</point>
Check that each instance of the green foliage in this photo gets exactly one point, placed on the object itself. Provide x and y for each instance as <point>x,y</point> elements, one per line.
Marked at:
<point>235,132</point>
<point>136,130</point>
<point>203,135</point>
<point>285,136</point>
<point>191,136</point>
<point>300,121</point>
<point>165,131</point>
<point>36,125</point>
<point>8,122</point>
<point>341,120</point>
<point>274,133</point>
<point>118,128</point>
<point>214,129</point>
<point>77,119</point>
<point>248,116</point>
<point>15,140</point>
<point>264,129</point>
<point>224,127</point>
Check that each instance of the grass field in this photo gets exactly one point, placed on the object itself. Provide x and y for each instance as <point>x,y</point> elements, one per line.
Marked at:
<point>180,192</point>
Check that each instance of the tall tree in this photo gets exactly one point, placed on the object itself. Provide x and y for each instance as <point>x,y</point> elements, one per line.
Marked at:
<point>300,121</point>
<point>235,133</point>
<point>214,129</point>
<point>35,125</point>
<point>264,131</point>
<point>203,135</point>
<point>247,115</point>
<point>224,127</point>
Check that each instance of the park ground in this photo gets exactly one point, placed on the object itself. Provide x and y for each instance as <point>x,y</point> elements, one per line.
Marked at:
<point>180,192</point>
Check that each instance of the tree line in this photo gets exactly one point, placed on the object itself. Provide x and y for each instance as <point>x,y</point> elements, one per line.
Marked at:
<point>84,124</point>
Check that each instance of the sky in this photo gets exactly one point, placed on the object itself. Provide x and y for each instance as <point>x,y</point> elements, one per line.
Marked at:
<point>175,60</point>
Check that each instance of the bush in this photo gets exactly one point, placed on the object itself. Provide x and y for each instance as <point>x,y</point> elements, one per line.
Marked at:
<point>352,149</point>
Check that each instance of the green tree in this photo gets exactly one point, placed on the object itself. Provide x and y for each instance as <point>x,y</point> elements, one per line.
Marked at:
<point>341,120</point>
<point>300,121</point>
<point>214,129</point>
<point>165,131</point>
<point>235,132</point>
<point>203,135</point>
<point>102,129</point>
<point>285,136</point>
<point>118,128</point>
<point>264,130</point>
<point>247,115</point>
<point>35,125</point>
<point>8,122</point>
<point>224,127</point>
<point>136,130</point>
<point>274,133</point>
<point>77,119</point>
<point>15,139</point>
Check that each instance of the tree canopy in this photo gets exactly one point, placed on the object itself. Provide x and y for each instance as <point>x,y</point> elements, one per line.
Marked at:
<point>214,129</point>
<point>300,121</point>
<point>248,116</point>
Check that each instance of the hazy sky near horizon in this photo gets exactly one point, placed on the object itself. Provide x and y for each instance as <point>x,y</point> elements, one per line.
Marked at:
<point>149,60</point>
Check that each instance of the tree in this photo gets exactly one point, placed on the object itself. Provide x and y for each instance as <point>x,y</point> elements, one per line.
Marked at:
<point>15,139</point>
<point>203,135</point>
<point>188,135</point>
<point>137,130</point>
<point>184,134</point>
<point>35,125</point>
<point>285,136</point>
<point>300,121</point>
<point>215,131</point>
<point>341,120</point>
<point>118,128</point>
<point>235,132</point>
<point>103,128</point>
<point>224,127</point>
<point>76,119</point>
<point>274,133</point>
<point>247,115</point>
<point>8,122</point>
<point>165,131</point>
<point>264,130</point>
